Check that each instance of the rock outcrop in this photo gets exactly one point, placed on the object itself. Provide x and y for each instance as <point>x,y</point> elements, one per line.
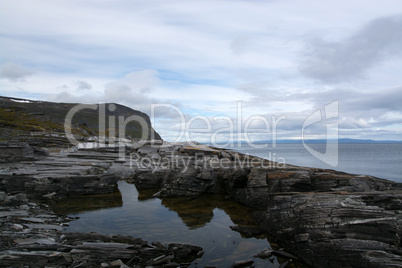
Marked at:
<point>42,124</point>
<point>15,152</point>
<point>31,236</point>
<point>326,218</point>
<point>60,174</point>
<point>339,229</point>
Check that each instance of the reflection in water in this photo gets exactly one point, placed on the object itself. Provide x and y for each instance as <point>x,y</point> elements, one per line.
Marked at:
<point>202,221</point>
<point>78,204</point>
<point>196,212</point>
<point>193,213</point>
<point>145,195</point>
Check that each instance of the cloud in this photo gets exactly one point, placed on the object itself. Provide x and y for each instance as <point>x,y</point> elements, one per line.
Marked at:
<point>206,56</point>
<point>67,97</point>
<point>352,57</point>
<point>353,102</point>
<point>133,90</point>
<point>364,110</point>
<point>14,72</point>
<point>82,85</point>
<point>122,93</point>
<point>241,44</point>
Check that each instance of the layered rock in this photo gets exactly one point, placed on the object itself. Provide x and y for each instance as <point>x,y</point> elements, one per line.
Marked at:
<point>61,174</point>
<point>339,229</point>
<point>328,218</point>
<point>31,236</point>
<point>15,152</point>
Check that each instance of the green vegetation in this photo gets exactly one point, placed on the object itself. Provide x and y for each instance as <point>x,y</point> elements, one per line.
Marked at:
<point>19,120</point>
<point>39,119</point>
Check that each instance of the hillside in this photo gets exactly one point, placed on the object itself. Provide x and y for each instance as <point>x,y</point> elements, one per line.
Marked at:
<point>42,123</point>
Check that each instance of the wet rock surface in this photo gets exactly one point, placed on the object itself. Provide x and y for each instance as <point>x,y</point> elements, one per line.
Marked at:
<point>60,174</point>
<point>339,229</point>
<point>326,218</point>
<point>31,235</point>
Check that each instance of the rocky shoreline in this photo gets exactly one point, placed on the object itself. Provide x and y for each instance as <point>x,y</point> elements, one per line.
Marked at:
<point>31,235</point>
<point>326,218</point>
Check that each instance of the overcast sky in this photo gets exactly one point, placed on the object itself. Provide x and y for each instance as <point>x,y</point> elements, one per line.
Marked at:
<point>279,60</point>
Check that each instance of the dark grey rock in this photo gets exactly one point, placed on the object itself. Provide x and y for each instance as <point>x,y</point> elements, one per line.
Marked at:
<point>14,152</point>
<point>325,217</point>
<point>264,254</point>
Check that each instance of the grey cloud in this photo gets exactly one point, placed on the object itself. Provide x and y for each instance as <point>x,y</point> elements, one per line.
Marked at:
<point>366,110</point>
<point>258,89</point>
<point>124,94</point>
<point>65,97</point>
<point>114,92</point>
<point>166,111</point>
<point>353,123</point>
<point>240,44</point>
<point>70,98</point>
<point>343,61</point>
<point>133,90</point>
<point>14,72</point>
<point>352,102</point>
<point>389,99</point>
<point>83,85</point>
<point>358,111</point>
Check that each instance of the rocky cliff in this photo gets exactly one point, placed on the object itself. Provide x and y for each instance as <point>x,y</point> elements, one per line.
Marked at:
<point>42,124</point>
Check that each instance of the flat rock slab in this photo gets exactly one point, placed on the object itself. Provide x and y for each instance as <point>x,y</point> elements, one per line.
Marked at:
<point>31,241</point>
<point>44,226</point>
<point>36,220</point>
<point>115,246</point>
<point>13,213</point>
<point>34,253</point>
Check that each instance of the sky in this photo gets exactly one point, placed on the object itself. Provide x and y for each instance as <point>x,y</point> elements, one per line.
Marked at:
<point>222,70</point>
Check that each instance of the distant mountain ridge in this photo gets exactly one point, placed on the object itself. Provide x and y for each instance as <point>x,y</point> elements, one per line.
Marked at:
<point>311,141</point>
<point>23,119</point>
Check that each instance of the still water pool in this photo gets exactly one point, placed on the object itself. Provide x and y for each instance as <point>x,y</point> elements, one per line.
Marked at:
<point>203,221</point>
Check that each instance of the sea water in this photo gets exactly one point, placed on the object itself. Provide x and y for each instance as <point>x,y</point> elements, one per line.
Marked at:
<point>382,160</point>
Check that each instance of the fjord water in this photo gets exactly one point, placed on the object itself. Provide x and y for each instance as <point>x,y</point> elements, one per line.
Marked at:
<point>382,160</point>
<point>203,221</point>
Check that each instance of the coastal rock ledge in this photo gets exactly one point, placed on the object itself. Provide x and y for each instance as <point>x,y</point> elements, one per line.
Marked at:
<point>326,218</point>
